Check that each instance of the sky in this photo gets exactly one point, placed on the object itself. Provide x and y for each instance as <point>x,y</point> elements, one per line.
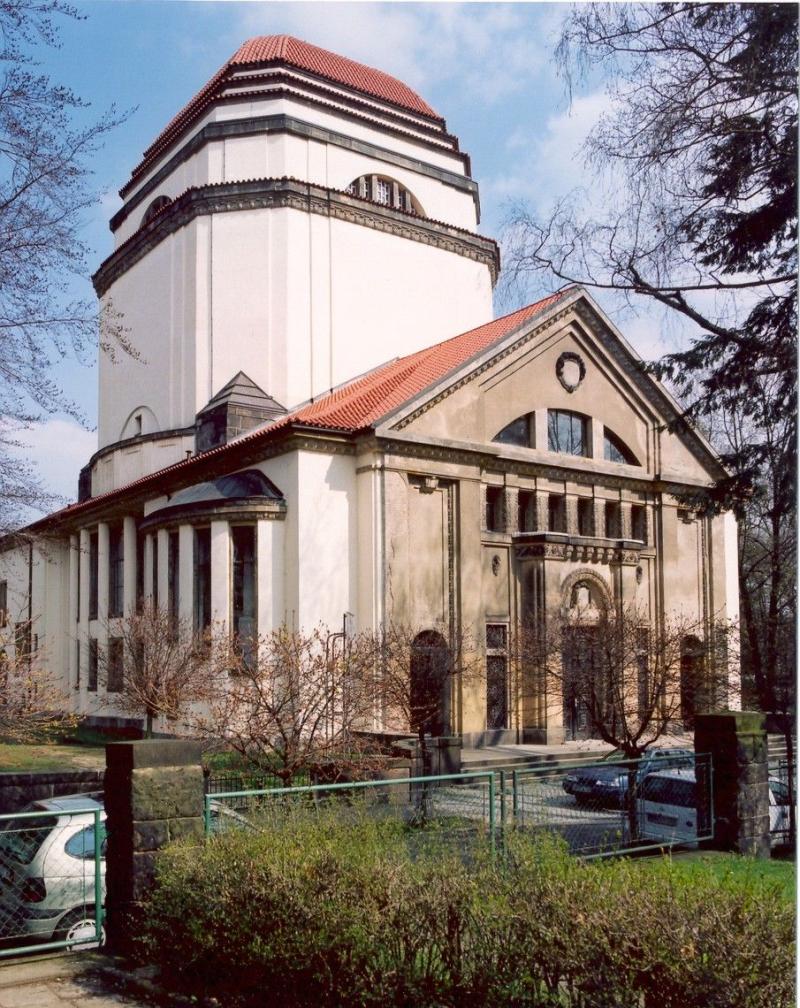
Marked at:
<point>489,69</point>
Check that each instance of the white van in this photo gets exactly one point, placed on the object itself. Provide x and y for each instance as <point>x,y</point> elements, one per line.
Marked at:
<point>668,809</point>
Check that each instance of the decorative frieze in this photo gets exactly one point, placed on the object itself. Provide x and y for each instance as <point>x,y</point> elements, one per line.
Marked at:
<point>270,193</point>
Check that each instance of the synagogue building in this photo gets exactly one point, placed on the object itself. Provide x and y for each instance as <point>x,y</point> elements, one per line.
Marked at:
<point>325,421</point>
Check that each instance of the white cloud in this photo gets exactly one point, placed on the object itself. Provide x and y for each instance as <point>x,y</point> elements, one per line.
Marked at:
<point>488,49</point>
<point>549,162</point>
<point>58,448</point>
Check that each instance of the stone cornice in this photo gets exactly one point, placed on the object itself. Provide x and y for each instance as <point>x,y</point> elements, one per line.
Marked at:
<point>281,123</point>
<point>201,513</point>
<point>240,88</point>
<point>464,454</point>
<point>270,193</point>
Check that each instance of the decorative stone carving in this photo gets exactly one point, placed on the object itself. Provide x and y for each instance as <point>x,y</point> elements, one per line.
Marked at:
<point>570,370</point>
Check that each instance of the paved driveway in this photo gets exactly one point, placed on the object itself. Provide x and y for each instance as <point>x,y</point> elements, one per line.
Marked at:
<point>60,982</point>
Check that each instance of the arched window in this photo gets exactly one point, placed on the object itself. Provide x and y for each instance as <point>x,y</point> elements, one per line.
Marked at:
<point>567,432</point>
<point>518,432</point>
<point>615,450</point>
<point>155,207</point>
<point>382,189</point>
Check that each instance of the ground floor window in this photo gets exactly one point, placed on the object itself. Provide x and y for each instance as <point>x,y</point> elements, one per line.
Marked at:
<point>202,578</point>
<point>91,675</point>
<point>244,589</point>
<point>496,676</point>
<point>115,669</point>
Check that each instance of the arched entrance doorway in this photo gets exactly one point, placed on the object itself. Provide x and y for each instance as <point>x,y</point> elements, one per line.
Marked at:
<point>431,669</point>
<point>585,610</point>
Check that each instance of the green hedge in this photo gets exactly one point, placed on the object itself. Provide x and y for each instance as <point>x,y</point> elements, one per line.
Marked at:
<point>315,911</point>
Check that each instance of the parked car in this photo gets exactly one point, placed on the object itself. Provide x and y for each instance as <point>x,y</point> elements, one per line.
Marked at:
<point>47,871</point>
<point>605,785</point>
<point>47,868</point>
<point>669,809</point>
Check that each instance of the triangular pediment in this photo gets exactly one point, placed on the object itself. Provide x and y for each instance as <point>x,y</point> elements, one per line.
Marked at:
<point>569,360</point>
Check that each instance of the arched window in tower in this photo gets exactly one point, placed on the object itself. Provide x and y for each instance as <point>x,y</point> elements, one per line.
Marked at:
<point>155,207</point>
<point>382,189</point>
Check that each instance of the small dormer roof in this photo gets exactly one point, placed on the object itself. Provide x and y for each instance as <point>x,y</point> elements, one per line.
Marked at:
<point>243,391</point>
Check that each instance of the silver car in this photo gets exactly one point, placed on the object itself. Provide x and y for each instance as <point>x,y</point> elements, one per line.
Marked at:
<point>47,868</point>
<point>47,871</point>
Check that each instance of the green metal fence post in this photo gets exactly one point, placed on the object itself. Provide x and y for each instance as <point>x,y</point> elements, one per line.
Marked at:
<point>515,797</point>
<point>503,802</point>
<point>491,812</point>
<point>98,882</point>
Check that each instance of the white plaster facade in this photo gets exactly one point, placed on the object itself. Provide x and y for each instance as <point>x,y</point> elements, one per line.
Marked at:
<point>276,271</point>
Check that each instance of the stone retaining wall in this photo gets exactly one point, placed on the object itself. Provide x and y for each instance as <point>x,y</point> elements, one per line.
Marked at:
<point>17,789</point>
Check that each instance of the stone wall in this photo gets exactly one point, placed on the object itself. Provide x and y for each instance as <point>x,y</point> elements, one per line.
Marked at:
<point>154,795</point>
<point>17,789</point>
<point>737,743</point>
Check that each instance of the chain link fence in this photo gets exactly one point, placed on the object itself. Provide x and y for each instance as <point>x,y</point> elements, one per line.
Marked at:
<point>52,876</point>
<point>597,809</point>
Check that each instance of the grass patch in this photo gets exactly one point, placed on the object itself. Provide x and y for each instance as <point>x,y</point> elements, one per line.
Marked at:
<point>730,871</point>
<point>47,756</point>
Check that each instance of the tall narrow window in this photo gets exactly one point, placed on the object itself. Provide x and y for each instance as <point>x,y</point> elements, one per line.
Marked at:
<point>495,512</point>
<point>585,516</point>
<point>154,568</point>
<point>567,433</point>
<point>639,523</point>
<point>115,571</point>
<point>77,664</point>
<point>93,561</point>
<point>613,520</point>
<point>496,676</point>
<point>202,578</point>
<point>173,572</point>
<point>3,603</point>
<point>244,587</point>
<point>115,668</point>
<point>139,570</point>
<point>556,513</point>
<point>527,511</point>
<point>91,674</point>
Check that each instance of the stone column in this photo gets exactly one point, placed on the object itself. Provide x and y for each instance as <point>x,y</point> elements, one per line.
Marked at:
<point>571,504</point>
<point>102,576</point>
<point>220,574</point>
<point>162,545</point>
<point>186,575</point>
<point>511,509</point>
<point>270,574</point>
<point>147,559</point>
<point>599,518</point>
<point>625,520</point>
<point>153,795</point>
<point>83,592</point>
<point>128,565</point>
<point>542,510</point>
<point>737,744</point>
<point>73,615</point>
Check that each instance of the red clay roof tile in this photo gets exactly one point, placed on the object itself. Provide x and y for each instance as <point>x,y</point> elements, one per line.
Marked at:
<point>367,400</point>
<point>352,407</point>
<point>303,56</point>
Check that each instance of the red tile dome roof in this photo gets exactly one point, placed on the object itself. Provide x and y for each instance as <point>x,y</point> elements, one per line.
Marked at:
<point>284,49</point>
